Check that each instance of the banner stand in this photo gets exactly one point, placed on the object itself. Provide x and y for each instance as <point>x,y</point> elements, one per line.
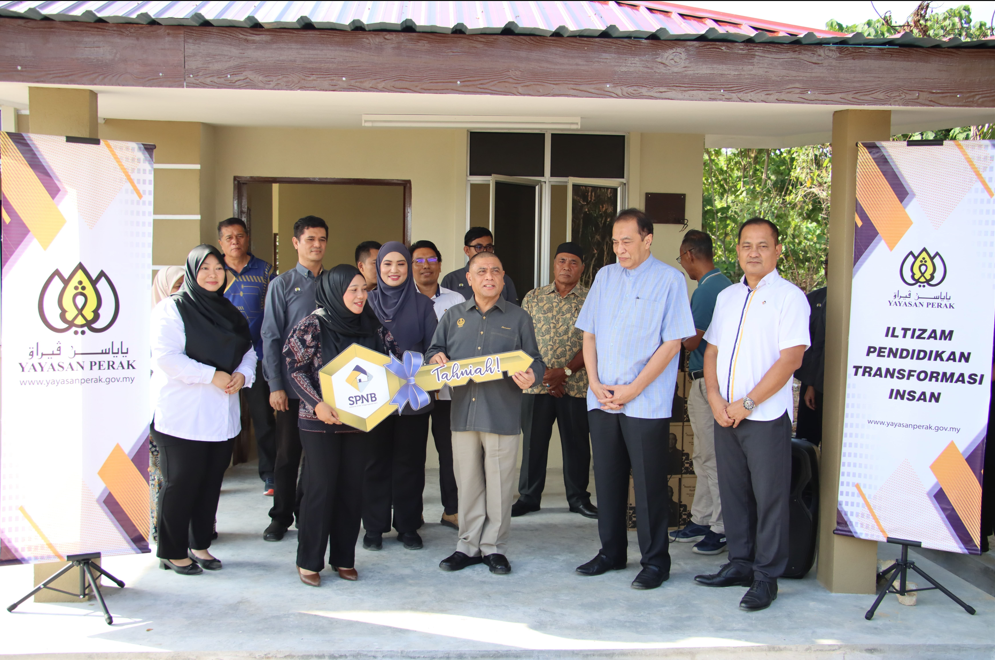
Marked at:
<point>899,570</point>
<point>86,567</point>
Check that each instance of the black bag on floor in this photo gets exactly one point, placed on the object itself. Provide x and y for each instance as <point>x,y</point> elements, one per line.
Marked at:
<point>803,507</point>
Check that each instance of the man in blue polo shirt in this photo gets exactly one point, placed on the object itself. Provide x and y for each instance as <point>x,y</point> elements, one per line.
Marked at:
<point>706,529</point>
<point>248,278</point>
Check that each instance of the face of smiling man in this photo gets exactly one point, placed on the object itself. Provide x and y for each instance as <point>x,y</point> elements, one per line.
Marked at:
<point>758,251</point>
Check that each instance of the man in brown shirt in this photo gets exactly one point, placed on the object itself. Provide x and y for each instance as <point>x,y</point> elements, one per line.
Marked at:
<point>562,394</point>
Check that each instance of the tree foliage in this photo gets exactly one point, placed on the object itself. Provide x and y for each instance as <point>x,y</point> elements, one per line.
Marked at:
<point>790,187</point>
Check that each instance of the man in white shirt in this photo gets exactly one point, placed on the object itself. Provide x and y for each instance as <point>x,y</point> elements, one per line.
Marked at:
<point>426,266</point>
<point>756,340</point>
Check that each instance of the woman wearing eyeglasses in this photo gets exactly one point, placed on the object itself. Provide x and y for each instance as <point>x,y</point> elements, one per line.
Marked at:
<point>395,474</point>
<point>478,239</point>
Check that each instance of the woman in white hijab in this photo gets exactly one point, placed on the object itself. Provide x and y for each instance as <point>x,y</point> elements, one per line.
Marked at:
<point>167,282</point>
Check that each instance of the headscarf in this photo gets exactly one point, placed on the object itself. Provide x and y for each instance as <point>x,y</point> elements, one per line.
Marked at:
<point>165,280</point>
<point>400,308</point>
<point>217,333</point>
<point>340,326</point>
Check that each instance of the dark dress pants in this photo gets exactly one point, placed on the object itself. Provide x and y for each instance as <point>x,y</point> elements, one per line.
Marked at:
<point>257,398</point>
<point>332,482</point>
<point>809,422</point>
<point>443,435</point>
<point>754,467</point>
<point>618,443</point>
<point>395,474</point>
<point>539,411</point>
<point>286,491</point>
<point>192,471</point>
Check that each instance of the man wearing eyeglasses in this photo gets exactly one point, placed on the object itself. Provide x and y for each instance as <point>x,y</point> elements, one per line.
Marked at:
<point>426,267</point>
<point>477,240</point>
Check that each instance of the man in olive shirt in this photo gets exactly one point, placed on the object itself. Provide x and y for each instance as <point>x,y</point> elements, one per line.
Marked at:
<point>485,416</point>
<point>561,397</point>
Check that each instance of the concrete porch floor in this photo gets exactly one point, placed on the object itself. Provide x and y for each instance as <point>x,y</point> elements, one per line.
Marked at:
<point>404,606</point>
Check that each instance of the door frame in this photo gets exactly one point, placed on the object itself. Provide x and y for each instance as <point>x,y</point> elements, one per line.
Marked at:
<point>541,228</point>
<point>240,202</point>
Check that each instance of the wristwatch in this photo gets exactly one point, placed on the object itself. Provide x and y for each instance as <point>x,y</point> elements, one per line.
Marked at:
<point>749,403</point>
<point>568,371</point>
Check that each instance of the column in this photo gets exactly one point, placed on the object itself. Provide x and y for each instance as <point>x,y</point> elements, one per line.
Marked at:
<point>846,564</point>
<point>57,111</point>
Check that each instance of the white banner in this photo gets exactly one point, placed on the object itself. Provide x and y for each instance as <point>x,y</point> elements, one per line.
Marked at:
<point>77,260</point>
<point>920,356</point>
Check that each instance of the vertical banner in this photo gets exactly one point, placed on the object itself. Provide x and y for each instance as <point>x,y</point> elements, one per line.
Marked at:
<point>77,258</point>
<point>921,332</point>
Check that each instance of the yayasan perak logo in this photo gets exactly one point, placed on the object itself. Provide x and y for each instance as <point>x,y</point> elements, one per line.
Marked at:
<point>81,306</point>
<point>923,269</point>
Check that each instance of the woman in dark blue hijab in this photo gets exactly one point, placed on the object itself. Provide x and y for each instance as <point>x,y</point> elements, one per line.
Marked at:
<point>395,474</point>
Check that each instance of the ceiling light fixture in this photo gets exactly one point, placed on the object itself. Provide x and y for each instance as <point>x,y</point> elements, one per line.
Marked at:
<point>471,121</point>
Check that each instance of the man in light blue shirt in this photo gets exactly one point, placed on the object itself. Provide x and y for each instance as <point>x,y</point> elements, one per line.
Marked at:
<point>634,320</point>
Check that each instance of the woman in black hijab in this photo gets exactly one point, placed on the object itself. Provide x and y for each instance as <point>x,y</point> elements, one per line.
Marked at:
<point>202,356</point>
<point>332,481</point>
<point>395,474</point>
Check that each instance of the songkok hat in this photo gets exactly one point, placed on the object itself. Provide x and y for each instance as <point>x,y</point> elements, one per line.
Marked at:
<point>570,248</point>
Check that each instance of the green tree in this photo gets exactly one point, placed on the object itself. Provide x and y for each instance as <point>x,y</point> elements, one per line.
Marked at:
<point>923,22</point>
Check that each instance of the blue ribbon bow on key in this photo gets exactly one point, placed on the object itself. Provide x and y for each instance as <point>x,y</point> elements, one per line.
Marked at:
<point>415,397</point>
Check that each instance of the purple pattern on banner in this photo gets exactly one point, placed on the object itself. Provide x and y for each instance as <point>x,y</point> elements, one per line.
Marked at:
<point>842,526</point>
<point>14,235</point>
<point>9,555</point>
<point>141,456</point>
<point>953,521</point>
<point>34,160</point>
<point>975,453</point>
<point>863,237</point>
<point>149,153</point>
<point>890,173</point>
<point>124,523</point>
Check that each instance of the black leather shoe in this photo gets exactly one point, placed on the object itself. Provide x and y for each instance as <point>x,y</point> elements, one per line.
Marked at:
<point>373,542</point>
<point>520,508</point>
<point>189,569</point>
<point>274,532</point>
<point>650,577</point>
<point>206,564</point>
<point>411,540</point>
<point>498,564</point>
<point>759,597</point>
<point>600,565</point>
<point>587,510</point>
<point>458,561</point>
<point>728,576</point>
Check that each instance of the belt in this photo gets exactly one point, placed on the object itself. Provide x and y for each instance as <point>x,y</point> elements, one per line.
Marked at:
<point>695,375</point>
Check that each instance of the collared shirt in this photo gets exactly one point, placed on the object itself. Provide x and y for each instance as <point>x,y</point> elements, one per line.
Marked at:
<point>456,281</point>
<point>185,403</point>
<point>702,306</point>
<point>247,291</point>
<point>750,328</point>
<point>559,340</point>
<point>465,332</point>
<point>813,369</point>
<point>289,299</point>
<point>444,299</point>
<point>631,313</point>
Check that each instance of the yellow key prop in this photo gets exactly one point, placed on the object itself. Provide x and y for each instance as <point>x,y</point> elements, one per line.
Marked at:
<point>364,386</point>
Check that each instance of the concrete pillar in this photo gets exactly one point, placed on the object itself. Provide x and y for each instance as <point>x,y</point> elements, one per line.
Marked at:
<point>8,119</point>
<point>58,111</point>
<point>846,565</point>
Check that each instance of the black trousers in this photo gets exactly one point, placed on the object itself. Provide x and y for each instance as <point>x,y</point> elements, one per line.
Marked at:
<point>619,443</point>
<point>754,468</point>
<point>192,471</point>
<point>539,411</point>
<point>809,423</point>
<point>332,482</point>
<point>395,474</point>
<point>286,491</point>
<point>443,435</point>
<point>257,399</point>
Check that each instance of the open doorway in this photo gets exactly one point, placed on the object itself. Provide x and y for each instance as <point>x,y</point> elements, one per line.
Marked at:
<point>356,210</point>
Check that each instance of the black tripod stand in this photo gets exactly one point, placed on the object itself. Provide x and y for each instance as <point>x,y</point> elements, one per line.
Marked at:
<point>900,570</point>
<point>86,567</point>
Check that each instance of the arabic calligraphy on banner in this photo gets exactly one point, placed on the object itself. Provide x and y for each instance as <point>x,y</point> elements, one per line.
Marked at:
<point>364,386</point>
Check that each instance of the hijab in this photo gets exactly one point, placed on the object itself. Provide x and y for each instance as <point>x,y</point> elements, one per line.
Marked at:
<point>401,308</point>
<point>165,279</point>
<point>340,327</point>
<point>217,333</point>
